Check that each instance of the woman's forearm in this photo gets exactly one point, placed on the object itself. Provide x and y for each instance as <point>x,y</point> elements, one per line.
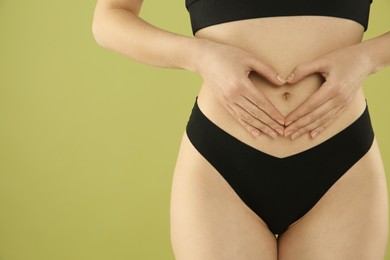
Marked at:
<point>378,51</point>
<point>123,31</point>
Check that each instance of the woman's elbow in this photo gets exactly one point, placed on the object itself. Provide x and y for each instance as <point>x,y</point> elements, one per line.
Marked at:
<point>103,12</point>
<point>97,29</point>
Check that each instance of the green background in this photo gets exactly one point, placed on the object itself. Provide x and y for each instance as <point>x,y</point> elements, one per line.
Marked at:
<point>89,138</point>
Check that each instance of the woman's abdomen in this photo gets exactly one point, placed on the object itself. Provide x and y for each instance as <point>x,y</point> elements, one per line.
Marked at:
<point>283,43</point>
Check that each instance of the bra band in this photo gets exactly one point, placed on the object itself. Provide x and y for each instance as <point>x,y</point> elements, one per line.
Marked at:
<point>205,13</point>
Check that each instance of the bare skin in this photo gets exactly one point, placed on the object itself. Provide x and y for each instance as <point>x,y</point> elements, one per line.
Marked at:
<point>208,220</point>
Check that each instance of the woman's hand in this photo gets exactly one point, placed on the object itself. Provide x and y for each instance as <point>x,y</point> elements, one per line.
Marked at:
<point>226,69</point>
<point>344,70</point>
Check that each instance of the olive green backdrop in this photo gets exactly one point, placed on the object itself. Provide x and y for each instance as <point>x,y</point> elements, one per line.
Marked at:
<point>89,138</point>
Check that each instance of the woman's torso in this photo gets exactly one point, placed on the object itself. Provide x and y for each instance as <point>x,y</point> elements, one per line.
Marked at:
<point>283,42</point>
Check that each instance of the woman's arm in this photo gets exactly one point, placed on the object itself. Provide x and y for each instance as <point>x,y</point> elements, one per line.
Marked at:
<point>378,51</point>
<point>225,68</point>
<point>344,71</point>
<point>116,26</point>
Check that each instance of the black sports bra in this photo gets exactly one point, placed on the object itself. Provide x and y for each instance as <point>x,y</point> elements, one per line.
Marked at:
<point>204,13</point>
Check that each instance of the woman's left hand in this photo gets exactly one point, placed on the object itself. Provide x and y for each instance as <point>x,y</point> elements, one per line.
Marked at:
<point>344,70</point>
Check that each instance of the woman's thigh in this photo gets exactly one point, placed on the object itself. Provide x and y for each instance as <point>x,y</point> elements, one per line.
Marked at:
<point>208,219</point>
<point>349,222</point>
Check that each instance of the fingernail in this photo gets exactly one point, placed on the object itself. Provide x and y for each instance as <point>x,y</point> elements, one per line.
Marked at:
<point>280,121</point>
<point>282,80</point>
<point>255,133</point>
<point>291,77</point>
<point>273,134</point>
<point>288,123</point>
<point>314,134</point>
<point>295,135</point>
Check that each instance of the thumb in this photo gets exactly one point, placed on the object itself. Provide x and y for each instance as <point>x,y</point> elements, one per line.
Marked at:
<point>305,69</point>
<point>268,72</point>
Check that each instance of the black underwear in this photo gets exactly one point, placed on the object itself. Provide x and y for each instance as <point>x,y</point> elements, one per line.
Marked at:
<point>280,190</point>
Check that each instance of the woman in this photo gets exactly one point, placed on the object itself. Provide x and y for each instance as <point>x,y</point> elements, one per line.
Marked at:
<point>278,160</point>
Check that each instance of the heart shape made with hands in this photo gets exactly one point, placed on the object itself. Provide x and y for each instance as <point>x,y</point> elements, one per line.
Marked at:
<point>343,71</point>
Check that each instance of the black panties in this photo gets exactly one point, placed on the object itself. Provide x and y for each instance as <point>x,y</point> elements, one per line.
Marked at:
<point>279,190</point>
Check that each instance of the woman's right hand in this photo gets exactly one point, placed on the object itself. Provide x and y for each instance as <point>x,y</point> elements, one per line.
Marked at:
<point>226,69</point>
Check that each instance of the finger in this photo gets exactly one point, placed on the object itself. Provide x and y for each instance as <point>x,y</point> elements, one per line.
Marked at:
<point>267,71</point>
<point>305,69</point>
<point>255,132</point>
<point>314,133</point>
<point>260,115</point>
<point>308,119</point>
<point>247,119</point>
<point>326,119</point>
<point>262,102</point>
<point>316,100</point>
